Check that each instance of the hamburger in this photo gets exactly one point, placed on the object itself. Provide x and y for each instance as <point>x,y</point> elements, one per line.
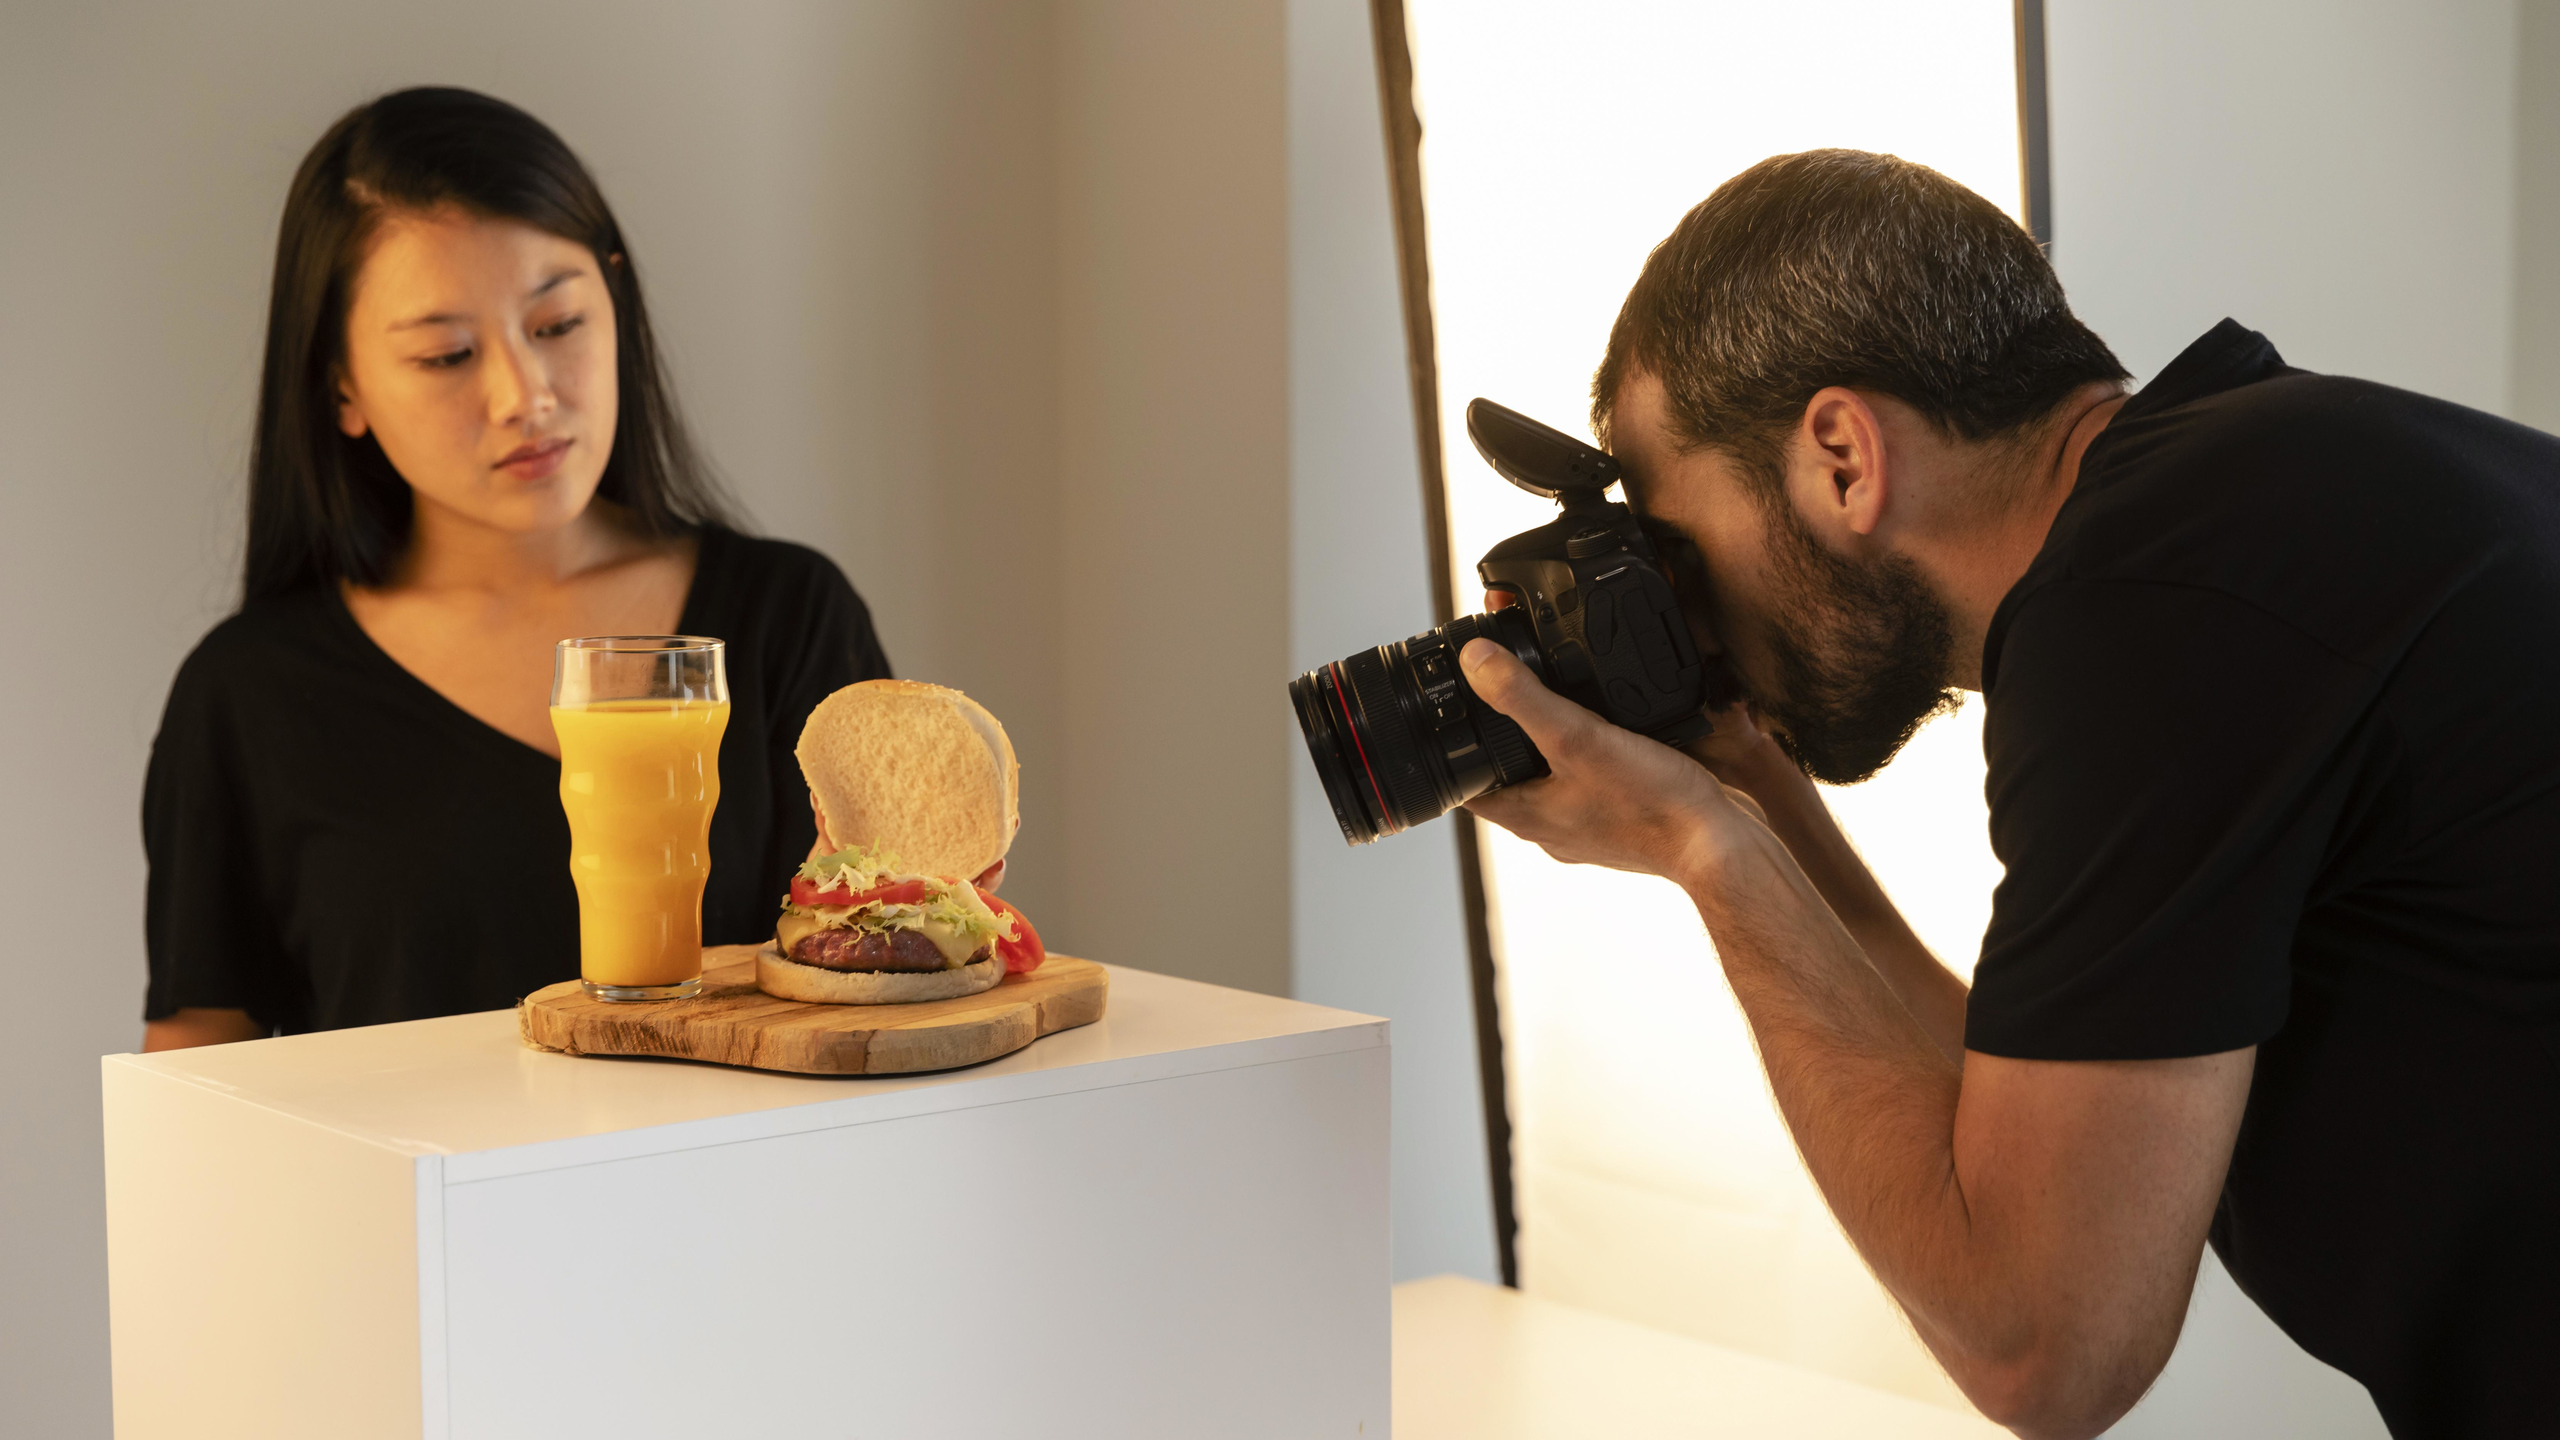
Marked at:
<point>916,792</point>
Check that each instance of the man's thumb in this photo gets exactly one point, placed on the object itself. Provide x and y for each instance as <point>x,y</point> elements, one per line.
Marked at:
<point>1498,677</point>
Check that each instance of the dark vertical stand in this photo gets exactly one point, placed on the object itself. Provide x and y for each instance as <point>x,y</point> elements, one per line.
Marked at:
<point>2035,153</point>
<point>1421,348</point>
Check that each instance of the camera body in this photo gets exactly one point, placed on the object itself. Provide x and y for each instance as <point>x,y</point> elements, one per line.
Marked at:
<point>1397,735</point>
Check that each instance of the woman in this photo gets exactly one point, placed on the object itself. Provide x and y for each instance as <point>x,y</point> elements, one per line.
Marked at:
<point>464,453</point>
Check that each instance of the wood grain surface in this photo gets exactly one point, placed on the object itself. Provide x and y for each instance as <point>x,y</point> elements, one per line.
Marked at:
<point>733,1023</point>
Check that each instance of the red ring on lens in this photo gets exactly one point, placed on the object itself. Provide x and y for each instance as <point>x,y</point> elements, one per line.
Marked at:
<point>1339,685</point>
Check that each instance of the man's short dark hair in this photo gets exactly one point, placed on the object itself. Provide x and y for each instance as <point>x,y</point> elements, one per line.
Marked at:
<point>1840,267</point>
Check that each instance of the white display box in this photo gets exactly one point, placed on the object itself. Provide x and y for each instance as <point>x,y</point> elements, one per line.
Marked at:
<point>1172,1222</point>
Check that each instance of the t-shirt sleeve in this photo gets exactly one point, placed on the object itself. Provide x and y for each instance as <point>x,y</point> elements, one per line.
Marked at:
<point>206,931</point>
<point>2168,766</point>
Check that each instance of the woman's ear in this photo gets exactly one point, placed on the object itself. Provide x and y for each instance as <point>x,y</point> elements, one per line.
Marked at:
<point>351,421</point>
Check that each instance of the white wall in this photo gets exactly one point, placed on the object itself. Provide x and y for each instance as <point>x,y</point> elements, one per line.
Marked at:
<point>1173,523</point>
<point>1377,929</point>
<point>983,297</point>
<point>2537,235</point>
<point>2340,174</point>
<point>2336,173</point>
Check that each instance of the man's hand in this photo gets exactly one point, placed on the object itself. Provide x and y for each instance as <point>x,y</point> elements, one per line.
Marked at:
<point>1615,798</point>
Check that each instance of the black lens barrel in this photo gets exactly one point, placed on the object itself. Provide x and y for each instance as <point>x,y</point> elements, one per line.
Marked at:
<point>1324,719</point>
<point>1397,735</point>
<point>1507,746</point>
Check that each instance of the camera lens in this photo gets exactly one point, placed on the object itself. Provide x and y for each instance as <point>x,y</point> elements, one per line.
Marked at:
<point>1397,735</point>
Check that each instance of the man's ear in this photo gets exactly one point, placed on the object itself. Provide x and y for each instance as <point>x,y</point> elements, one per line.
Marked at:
<point>1846,443</point>
<point>351,421</point>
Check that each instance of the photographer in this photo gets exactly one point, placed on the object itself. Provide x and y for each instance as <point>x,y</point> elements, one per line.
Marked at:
<point>2274,770</point>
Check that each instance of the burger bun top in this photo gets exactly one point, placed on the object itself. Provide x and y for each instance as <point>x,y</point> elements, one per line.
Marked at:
<point>920,771</point>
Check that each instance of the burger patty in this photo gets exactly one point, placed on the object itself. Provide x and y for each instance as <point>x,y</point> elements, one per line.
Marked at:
<point>900,950</point>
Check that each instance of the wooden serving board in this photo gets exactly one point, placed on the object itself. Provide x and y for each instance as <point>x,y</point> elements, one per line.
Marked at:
<point>733,1023</point>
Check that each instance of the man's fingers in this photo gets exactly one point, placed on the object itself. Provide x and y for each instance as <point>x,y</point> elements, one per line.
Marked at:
<point>1501,681</point>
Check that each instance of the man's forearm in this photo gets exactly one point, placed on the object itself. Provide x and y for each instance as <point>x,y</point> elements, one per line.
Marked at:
<point>2038,1220</point>
<point>1797,815</point>
<point>1868,1094</point>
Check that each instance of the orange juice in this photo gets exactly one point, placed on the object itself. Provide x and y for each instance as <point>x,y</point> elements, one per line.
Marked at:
<point>639,779</point>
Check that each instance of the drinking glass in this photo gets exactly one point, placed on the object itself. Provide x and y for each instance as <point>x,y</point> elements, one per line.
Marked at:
<point>639,719</point>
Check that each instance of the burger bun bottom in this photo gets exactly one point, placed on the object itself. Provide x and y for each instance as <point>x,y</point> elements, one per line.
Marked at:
<point>790,980</point>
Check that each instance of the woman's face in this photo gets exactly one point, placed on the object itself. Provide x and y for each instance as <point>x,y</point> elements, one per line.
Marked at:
<point>480,353</point>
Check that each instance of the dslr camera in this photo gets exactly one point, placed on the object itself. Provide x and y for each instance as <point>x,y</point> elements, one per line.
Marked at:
<point>1397,735</point>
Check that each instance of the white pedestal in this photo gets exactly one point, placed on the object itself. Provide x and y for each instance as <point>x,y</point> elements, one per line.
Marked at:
<point>1171,1222</point>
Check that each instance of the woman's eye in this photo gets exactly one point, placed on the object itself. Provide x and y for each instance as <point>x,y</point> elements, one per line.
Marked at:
<point>445,361</point>
<point>558,328</point>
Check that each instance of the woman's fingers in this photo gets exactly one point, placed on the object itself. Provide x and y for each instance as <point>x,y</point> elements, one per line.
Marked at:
<point>989,878</point>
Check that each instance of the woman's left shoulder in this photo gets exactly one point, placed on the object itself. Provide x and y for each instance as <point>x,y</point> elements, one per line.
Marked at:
<point>752,572</point>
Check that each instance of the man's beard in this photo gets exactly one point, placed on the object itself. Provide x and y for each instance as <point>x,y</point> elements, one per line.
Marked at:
<point>1862,653</point>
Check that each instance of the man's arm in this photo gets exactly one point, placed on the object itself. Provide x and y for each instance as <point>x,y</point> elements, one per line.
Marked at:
<point>1742,755</point>
<point>2040,1222</point>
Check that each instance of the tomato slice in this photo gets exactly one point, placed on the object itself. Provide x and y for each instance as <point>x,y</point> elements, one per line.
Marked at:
<point>805,891</point>
<point>1023,953</point>
<point>904,892</point>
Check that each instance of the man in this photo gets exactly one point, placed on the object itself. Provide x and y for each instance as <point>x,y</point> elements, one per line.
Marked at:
<point>2272,663</point>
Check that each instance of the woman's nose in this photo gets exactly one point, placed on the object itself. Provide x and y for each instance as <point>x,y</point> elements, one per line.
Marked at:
<point>519,384</point>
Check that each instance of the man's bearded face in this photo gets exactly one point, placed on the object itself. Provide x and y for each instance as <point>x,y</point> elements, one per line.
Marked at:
<point>1862,653</point>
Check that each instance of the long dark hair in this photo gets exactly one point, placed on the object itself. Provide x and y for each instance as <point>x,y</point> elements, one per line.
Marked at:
<point>324,508</point>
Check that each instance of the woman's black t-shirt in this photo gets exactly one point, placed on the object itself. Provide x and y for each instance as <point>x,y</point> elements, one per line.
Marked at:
<point>334,843</point>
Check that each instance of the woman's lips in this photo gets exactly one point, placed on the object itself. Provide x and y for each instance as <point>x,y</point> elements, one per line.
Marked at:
<point>535,462</point>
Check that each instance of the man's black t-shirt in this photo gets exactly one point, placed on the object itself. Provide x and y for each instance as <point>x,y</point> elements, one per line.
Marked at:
<point>334,843</point>
<point>2274,741</point>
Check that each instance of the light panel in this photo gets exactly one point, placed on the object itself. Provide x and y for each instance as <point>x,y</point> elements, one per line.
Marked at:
<point>1560,143</point>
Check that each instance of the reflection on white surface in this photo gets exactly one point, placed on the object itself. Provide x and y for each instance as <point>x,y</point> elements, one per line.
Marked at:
<point>1477,1362</point>
<point>1560,144</point>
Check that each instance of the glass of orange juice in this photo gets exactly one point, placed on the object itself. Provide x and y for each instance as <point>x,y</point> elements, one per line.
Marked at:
<point>639,719</point>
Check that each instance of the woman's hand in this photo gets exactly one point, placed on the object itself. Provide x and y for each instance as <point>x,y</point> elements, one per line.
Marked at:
<point>192,1027</point>
<point>1615,798</point>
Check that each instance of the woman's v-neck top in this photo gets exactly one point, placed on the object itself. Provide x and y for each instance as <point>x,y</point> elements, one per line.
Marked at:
<point>332,842</point>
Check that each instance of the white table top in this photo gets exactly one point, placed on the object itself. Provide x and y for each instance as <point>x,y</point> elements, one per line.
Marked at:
<point>1478,1362</point>
<point>466,1087</point>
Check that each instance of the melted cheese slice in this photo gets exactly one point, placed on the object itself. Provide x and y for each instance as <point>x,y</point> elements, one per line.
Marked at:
<point>796,925</point>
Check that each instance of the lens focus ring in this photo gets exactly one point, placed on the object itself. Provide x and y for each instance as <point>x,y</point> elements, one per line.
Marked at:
<point>1393,752</point>
<point>1514,758</point>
